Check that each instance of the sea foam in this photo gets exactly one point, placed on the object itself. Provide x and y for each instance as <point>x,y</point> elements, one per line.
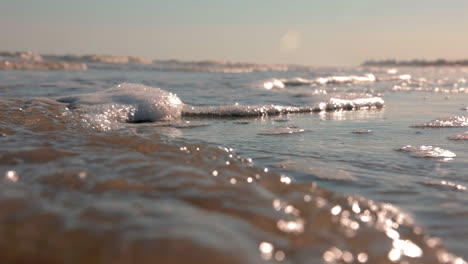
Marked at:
<point>451,121</point>
<point>273,84</point>
<point>427,152</point>
<point>335,103</point>
<point>135,103</point>
<point>128,102</point>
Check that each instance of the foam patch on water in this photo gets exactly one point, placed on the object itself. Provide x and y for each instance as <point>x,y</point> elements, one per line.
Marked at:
<point>350,103</point>
<point>244,110</point>
<point>452,121</point>
<point>427,152</point>
<point>338,103</point>
<point>127,102</point>
<point>331,80</point>
<point>134,103</point>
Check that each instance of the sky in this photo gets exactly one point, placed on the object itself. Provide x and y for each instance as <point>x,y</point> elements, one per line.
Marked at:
<point>310,32</point>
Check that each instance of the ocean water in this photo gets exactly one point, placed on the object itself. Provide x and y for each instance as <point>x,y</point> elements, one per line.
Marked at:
<point>220,163</point>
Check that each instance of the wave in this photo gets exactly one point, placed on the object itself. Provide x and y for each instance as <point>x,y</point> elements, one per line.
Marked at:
<point>332,104</point>
<point>282,131</point>
<point>445,184</point>
<point>427,152</point>
<point>331,80</point>
<point>451,121</point>
<point>125,102</point>
<point>134,103</point>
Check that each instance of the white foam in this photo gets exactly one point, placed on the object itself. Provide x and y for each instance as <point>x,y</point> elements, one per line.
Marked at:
<point>321,81</point>
<point>273,84</point>
<point>244,110</point>
<point>452,121</point>
<point>129,102</point>
<point>346,79</point>
<point>427,152</point>
<point>337,103</point>
<point>132,103</point>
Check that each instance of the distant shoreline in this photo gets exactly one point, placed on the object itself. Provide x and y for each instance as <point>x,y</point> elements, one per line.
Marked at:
<point>415,63</point>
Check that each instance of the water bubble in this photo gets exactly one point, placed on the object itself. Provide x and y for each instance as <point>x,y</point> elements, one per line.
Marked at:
<point>12,176</point>
<point>347,257</point>
<point>82,174</point>
<point>279,255</point>
<point>277,204</point>
<point>362,257</point>
<point>335,210</point>
<point>328,256</point>
<point>266,250</point>
<point>394,255</point>
<point>285,179</point>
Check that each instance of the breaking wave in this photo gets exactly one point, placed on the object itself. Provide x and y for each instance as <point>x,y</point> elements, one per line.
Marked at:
<point>427,152</point>
<point>133,103</point>
<point>127,102</point>
<point>331,80</point>
<point>332,104</point>
<point>452,121</point>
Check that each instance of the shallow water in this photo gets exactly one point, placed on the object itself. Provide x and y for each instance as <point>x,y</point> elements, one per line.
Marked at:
<point>247,174</point>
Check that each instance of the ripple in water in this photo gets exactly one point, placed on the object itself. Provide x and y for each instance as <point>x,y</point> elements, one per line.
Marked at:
<point>462,136</point>
<point>319,170</point>
<point>362,131</point>
<point>445,184</point>
<point>282,131</point>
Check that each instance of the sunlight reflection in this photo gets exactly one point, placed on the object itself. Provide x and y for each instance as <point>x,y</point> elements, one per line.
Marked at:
<point>11,176</point>
<point>266,250</point>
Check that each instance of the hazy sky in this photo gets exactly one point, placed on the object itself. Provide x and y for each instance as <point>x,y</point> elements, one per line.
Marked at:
<point>327,32</point>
